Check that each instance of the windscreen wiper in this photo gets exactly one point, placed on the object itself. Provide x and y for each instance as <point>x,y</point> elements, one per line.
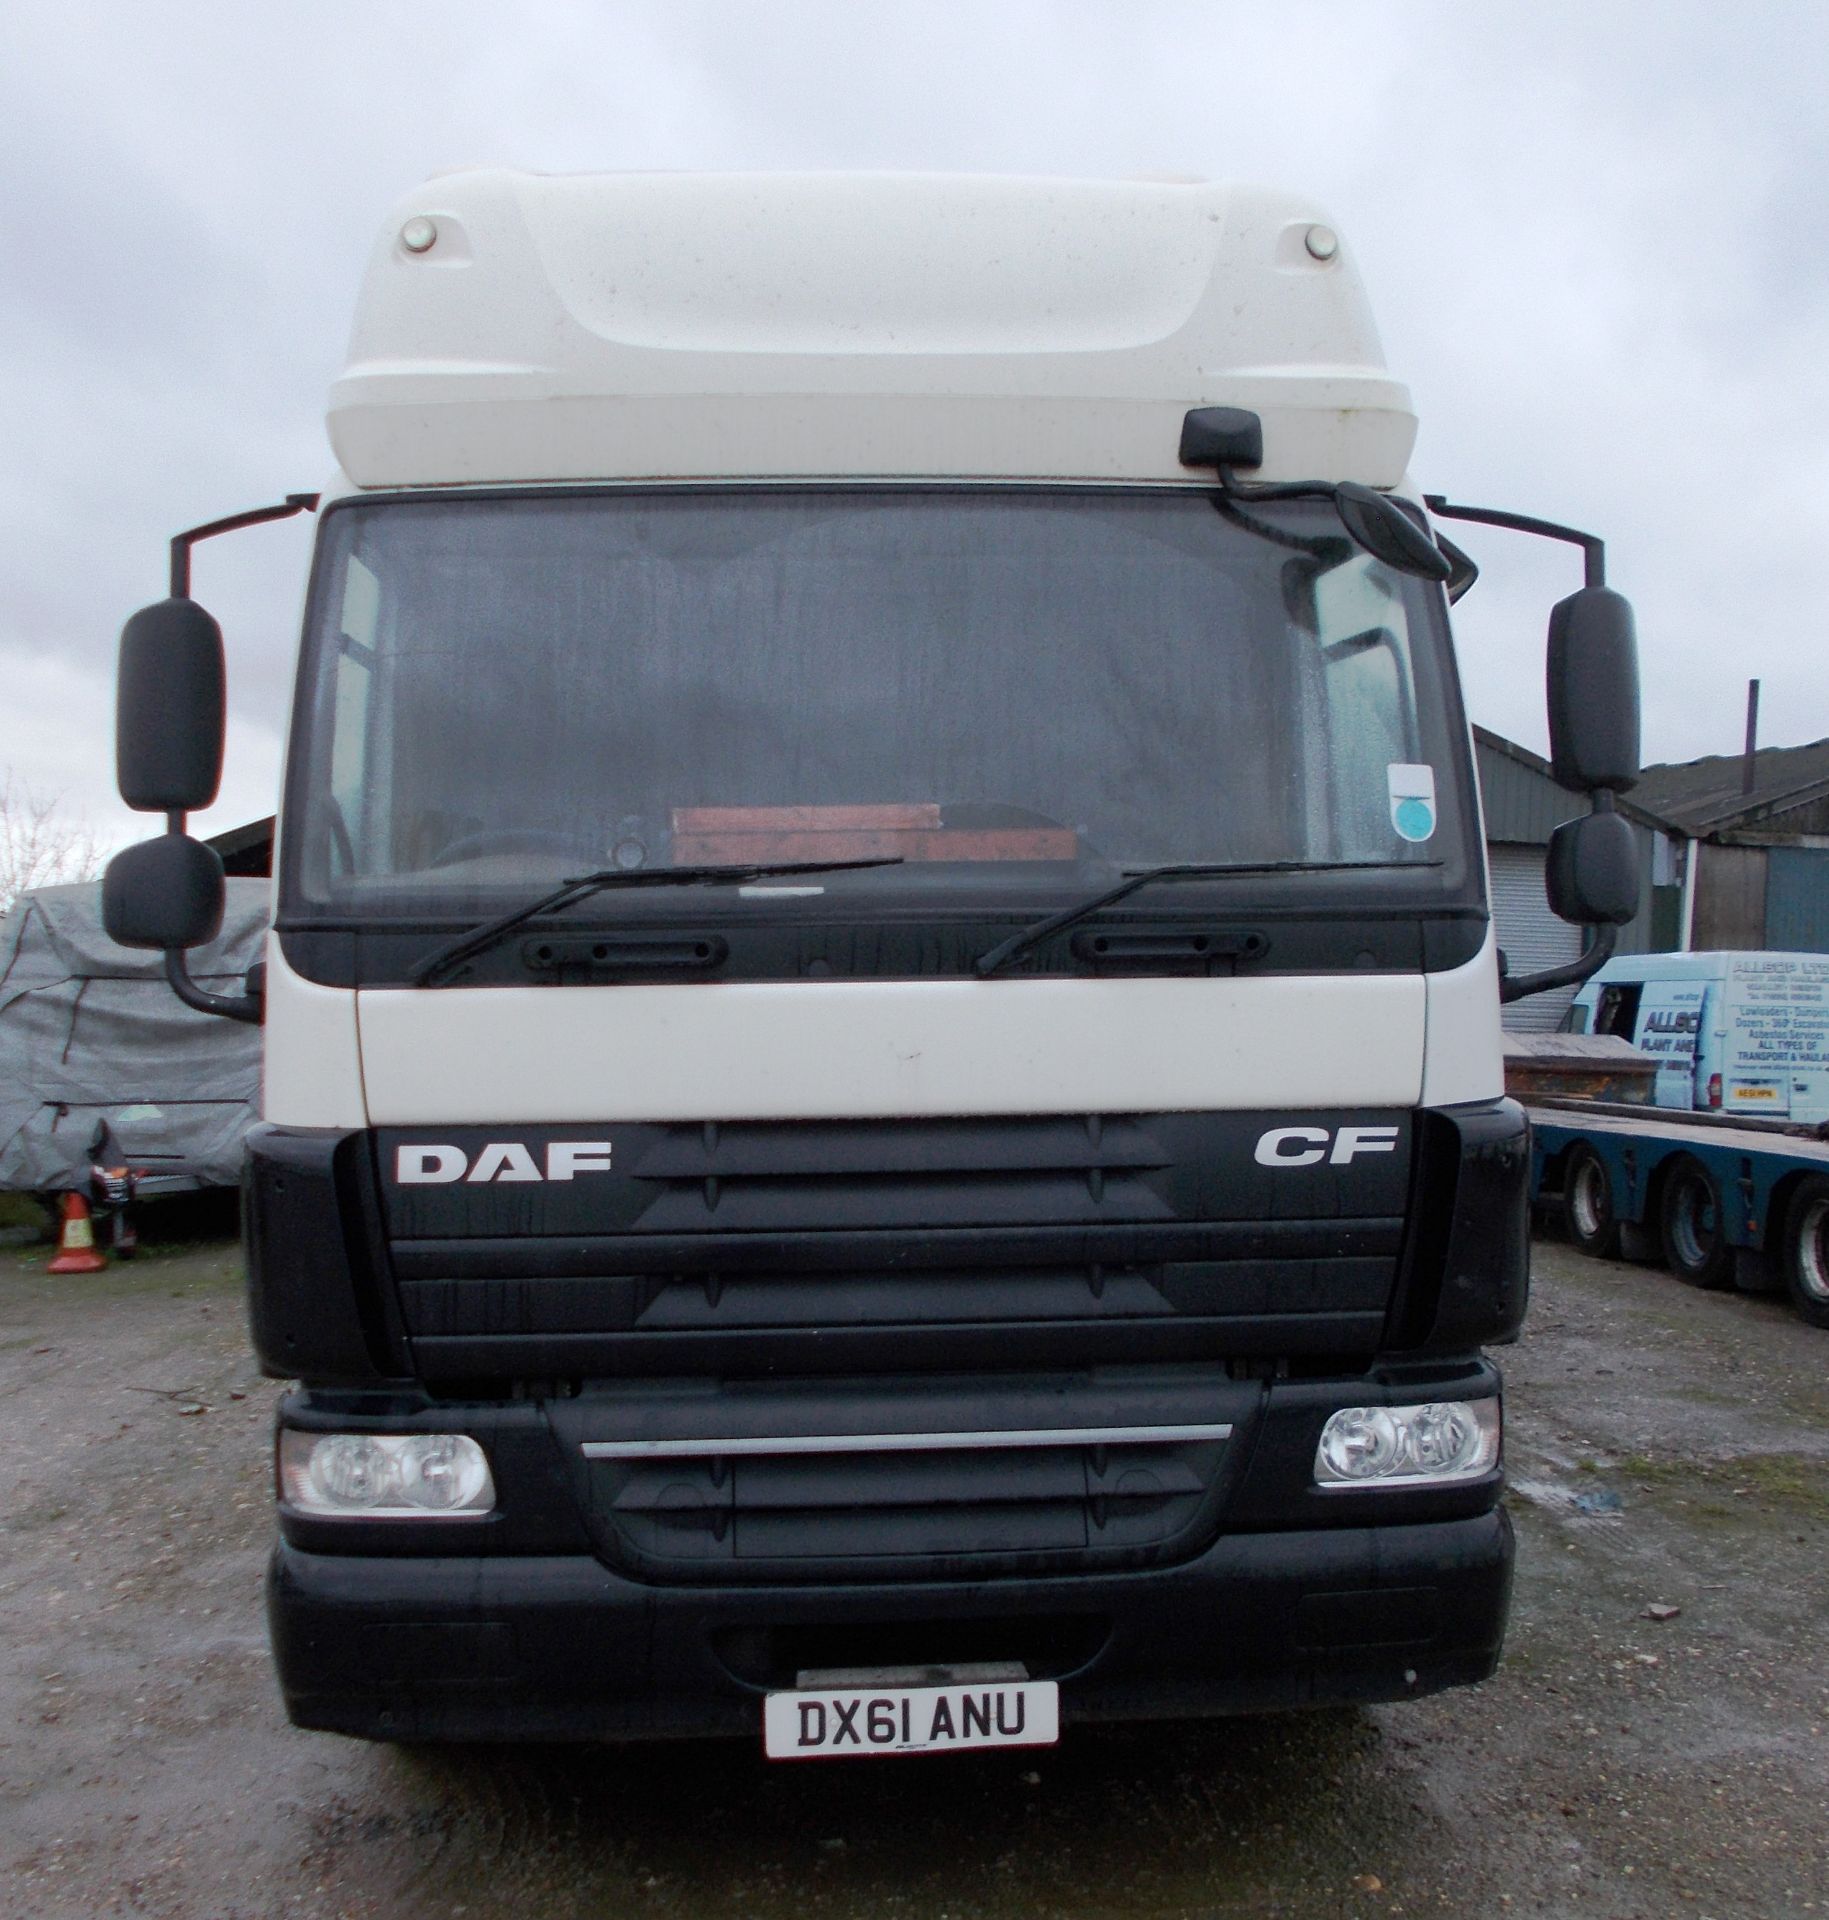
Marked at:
<point>1020,943</point>
<point>570,892</point>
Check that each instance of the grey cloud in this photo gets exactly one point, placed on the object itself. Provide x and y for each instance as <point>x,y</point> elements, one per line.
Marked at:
<point>1595,238</point>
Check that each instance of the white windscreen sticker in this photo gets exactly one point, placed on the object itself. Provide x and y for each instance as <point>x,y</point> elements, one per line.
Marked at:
<point>1412,791</point>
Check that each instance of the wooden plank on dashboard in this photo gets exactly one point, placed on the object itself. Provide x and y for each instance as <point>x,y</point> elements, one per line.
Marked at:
<point>892,818</point>
<point>944,843</point>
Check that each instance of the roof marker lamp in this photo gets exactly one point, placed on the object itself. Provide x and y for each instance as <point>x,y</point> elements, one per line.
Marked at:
<point>384,1476</point>
<point>1438,1444</point>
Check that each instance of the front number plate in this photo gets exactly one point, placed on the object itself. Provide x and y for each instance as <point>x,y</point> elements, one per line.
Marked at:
<point>856,1722</point>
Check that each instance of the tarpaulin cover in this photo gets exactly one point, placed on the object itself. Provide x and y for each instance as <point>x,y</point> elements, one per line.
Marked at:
<point>92,1032</point>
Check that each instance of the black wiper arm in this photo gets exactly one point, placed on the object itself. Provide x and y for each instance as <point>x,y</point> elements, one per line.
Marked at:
<point>1020,943</point>
<point>569,892</point>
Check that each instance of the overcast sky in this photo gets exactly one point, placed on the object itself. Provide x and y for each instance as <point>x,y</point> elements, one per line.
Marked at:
<point>1596,237</point>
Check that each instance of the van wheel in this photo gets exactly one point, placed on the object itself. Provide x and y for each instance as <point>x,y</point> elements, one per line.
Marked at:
<point>1587,1203</point>
<point>1694,1231</point>
<point>1806,1251</point>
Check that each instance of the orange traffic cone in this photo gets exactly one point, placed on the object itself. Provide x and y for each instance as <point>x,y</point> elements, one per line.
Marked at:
<point>76,1245</point>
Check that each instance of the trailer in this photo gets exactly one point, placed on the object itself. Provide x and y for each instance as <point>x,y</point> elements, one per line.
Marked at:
<point>1722,1201</point>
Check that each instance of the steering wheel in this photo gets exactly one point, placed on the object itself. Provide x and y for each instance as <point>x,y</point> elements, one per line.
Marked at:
<point>476,846</point>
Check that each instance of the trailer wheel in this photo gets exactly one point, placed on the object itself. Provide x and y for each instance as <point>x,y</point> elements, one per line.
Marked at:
<point>1694,1232</point>
<point>1806,1252</point>
<point>1587,1203</point>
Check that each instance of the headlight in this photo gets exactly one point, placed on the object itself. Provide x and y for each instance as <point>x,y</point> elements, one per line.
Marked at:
<point>1425,1446</point>
<point>385,1476</point>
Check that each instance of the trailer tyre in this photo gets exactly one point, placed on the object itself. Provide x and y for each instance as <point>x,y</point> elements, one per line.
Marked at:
<point>1587,1203</point>
<point>1693,1228</point>
<point>1807,1250</point>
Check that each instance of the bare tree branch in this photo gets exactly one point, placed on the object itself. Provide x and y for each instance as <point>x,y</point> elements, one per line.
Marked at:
<point>38,846</point>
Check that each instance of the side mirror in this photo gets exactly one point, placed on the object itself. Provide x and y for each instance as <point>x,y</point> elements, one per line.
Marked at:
<point>171,709</point>
<point>1591,873</point>
<point>1593,692</point>
<point>163,895</point>
<point>1387,533</point>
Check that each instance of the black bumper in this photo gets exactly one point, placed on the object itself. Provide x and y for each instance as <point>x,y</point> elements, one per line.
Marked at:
<point>560,1647</point>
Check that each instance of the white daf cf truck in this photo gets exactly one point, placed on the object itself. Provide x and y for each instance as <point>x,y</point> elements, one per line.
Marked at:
<point>883,1105</point>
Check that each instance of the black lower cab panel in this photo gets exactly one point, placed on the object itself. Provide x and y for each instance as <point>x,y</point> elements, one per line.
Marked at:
<point>561,1647</point>
<point>663,1554</point>
<point>1043,1393</point>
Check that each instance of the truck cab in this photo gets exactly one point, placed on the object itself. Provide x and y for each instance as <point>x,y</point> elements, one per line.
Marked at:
<point>882,1047</point>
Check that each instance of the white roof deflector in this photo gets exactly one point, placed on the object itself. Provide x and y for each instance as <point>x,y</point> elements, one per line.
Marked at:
<point>519,327</point>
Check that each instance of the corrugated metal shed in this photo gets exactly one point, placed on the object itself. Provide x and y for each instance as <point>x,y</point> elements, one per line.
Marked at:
<point>1790,791</point>
<point>1797,900</point>
<point>247,850</point>
<point>1522,803</point>
<point>1523,806</point>
<point>1529,935</point>
<point>1730,912</point>
<point>1762,849</point>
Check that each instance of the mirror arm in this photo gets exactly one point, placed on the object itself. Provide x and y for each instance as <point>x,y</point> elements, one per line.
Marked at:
<point>1593,548</point>
<point>181,543</point>
<point>247,1007</point>
<point>1563,976</point>
<point>1593,958</point>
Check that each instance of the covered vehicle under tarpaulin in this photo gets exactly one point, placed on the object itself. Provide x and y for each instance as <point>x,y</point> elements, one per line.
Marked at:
<point>91,1033</point>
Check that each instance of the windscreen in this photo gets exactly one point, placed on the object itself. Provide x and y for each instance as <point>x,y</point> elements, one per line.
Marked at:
<point>1006,691</point>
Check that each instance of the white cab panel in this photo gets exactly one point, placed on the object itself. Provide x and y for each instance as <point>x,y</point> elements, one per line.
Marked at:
<point>861,1049</point>
<point>1465,1057</point>
<point>313,1070</point>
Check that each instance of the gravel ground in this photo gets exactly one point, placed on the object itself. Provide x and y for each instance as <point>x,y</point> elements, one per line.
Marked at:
<point>1667,1450</point>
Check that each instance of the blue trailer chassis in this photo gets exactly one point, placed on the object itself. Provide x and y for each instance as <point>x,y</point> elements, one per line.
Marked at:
<point>1723,1203</point>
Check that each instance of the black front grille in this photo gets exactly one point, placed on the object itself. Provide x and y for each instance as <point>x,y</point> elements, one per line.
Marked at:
<point>908,1244</point>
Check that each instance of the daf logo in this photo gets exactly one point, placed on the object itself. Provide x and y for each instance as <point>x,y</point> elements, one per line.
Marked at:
<point>501,1160</point>
<point>1309,1146</point>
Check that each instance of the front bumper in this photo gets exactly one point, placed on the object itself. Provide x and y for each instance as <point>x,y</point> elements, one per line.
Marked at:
<point>544,1647</point>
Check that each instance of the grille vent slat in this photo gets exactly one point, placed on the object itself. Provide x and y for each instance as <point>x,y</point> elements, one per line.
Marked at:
<point>839,1506</point>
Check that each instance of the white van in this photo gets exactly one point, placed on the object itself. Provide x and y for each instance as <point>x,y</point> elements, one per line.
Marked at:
<point>1744,1032</point>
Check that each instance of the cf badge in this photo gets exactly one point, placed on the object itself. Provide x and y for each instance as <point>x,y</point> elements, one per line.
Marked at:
<point>1309,1146</point>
